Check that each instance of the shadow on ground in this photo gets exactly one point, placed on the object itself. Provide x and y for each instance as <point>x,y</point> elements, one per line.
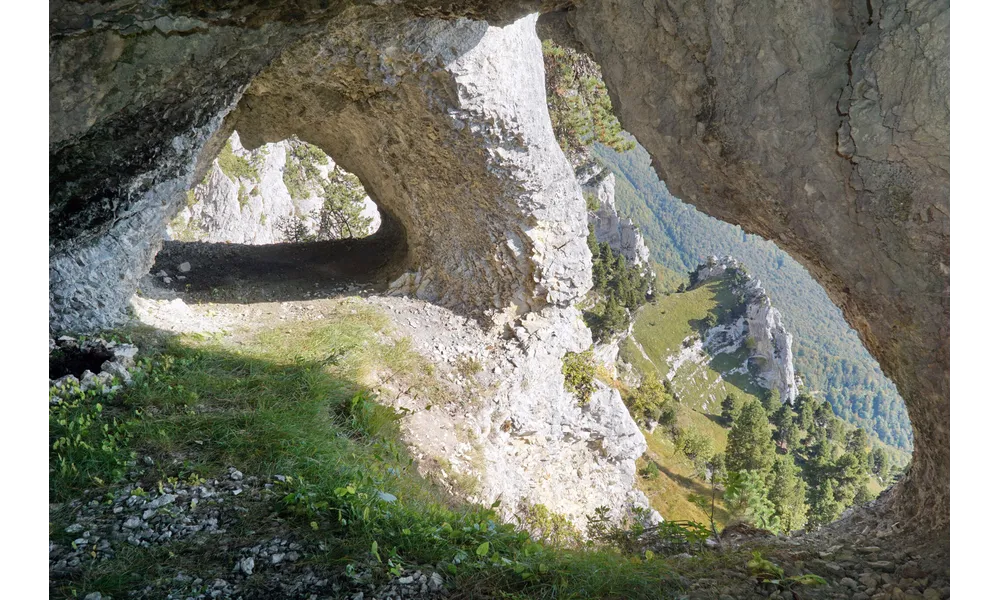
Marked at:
<point>282,272</point>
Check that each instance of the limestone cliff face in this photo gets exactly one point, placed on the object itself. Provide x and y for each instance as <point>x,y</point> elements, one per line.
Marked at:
<point>609,226</point>
<point>759,329</point>
<point>825,129</point>
<point>444,122</point>
<point>258,209</point>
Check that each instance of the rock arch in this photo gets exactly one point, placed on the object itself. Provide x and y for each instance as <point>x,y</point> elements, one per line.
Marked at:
<point>824,128</point>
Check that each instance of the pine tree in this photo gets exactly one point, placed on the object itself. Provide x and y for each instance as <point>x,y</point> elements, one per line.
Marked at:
<point>786,433</point>
<point>857,444</point>
<point>880,463</point>
<point>807,414</point>
<point>850,476</point>
<point>746,498</point>
<point>342,214</point>
<point>824,507</point>
<point>788,495</point>
<point>728,409</point>
<point>771,402</point>
<point>748,445</point>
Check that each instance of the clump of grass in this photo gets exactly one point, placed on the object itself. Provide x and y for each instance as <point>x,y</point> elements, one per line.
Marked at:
<point>468,366</point>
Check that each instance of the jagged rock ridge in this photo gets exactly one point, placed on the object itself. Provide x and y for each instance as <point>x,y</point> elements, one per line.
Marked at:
<point>620,233</point>
<point>759,329</point>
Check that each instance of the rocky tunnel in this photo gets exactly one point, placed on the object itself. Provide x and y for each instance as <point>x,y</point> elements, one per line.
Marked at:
<point>824,128</point>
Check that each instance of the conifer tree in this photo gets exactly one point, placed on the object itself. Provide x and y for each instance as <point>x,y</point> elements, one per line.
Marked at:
<point>771,402</point>
<point>786,433</point>
<point>748,445</point>
<point>788,495</point>
<point>824,507</point>
<point>728,409</point>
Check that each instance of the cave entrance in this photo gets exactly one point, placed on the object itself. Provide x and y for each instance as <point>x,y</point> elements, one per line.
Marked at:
<point>72,359</point>
<point>278,222</point>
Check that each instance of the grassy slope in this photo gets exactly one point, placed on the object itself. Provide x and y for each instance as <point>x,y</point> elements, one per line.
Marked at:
<point>660,329</point>
<point>292,401</point>
<point>828,354</point>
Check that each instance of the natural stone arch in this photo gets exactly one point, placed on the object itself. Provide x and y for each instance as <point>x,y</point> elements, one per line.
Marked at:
<point>447,144</point>
<point>823,128</point>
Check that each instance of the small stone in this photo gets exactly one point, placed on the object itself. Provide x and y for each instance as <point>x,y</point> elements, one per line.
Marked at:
<point>167,280</point>
<point>849,583</point>
<point>148,460</point>
<point>932,594</point>
<point>93,596</point>
<point>236,475</point>
<point>74,528</point>
<point>358,596</point>
<point>883,565</point>
<point>859,596</point>
<point>435,582</point>
<point>277,558</point>
<point>163,500</point>
<point>184,267</point>
<point>133,523</point>
<point>88,380</point>
<point>117,370</point>
<point>405,580</point>
<point>162,274</point>
<point>246,565</point>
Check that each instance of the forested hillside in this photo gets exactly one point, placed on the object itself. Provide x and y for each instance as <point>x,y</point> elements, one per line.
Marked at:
<point>829,355</point>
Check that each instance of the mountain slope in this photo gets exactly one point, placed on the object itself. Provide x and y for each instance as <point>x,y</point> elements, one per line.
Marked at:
<point>829,355</point>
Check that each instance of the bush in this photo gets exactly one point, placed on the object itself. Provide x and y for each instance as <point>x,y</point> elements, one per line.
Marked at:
<point>649,401</point>
<point>696,447</point>
<point>579,371</point>
<point>234,166</point>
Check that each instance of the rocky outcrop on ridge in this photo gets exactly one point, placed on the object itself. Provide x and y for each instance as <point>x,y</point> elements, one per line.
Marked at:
<point>621,234</point>
<point>759,329</point>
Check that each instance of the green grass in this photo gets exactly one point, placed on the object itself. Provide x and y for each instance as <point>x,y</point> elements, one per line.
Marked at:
<point>298,401</point>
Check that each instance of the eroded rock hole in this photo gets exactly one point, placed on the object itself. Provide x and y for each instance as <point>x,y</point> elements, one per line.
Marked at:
<point>74,360</point>
<point>281,221</point>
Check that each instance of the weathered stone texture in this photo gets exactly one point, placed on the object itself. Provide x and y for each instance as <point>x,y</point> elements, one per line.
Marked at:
<point>825,128</point>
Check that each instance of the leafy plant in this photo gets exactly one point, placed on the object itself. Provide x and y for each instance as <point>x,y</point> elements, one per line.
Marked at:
<point>87,445</point>
<point>769,574</point>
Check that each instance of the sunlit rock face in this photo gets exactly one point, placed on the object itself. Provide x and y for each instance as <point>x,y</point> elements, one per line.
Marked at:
<point>771,345</point>
<point>620,233</point>
<point>262,204</point>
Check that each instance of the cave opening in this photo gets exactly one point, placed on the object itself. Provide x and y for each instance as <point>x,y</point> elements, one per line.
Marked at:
<point>281,221</point>
<point>71,359</point>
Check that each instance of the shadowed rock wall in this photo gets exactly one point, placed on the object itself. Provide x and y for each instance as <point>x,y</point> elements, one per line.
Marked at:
<point>823,127</point>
